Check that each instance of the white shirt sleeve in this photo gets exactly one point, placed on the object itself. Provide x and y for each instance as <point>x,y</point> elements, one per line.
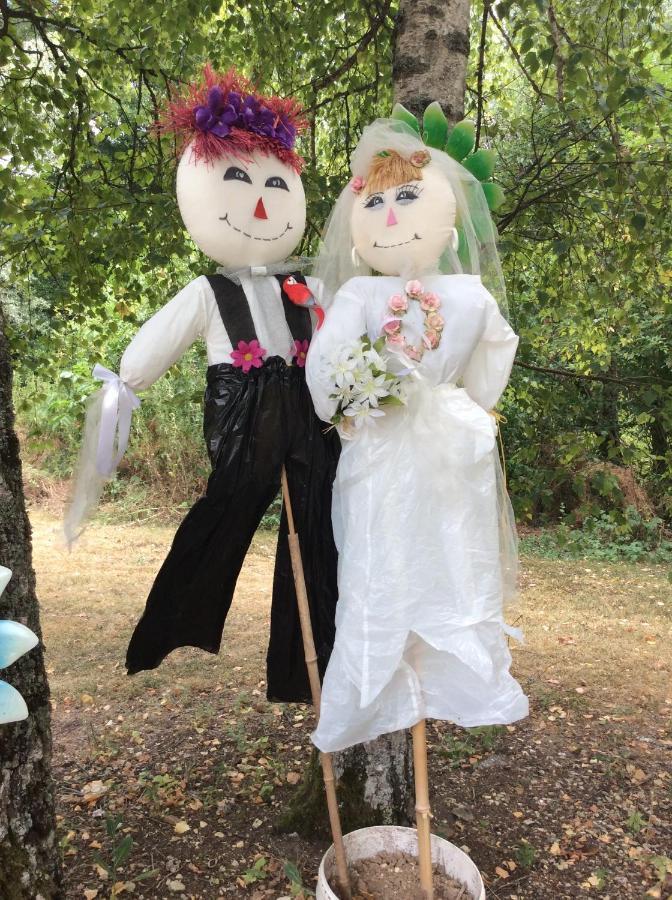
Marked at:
<point>487,372</point>
<point>165,337</point>
<point>345,322</point>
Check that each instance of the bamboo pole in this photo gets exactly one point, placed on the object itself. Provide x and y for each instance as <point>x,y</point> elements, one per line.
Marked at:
<point>422,809</point>
<point>315,689</point>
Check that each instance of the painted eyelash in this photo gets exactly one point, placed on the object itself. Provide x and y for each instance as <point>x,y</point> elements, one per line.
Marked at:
<point>414,189</point>
<point>370,197</point>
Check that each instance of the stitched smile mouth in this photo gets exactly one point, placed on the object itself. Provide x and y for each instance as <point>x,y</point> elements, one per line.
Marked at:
<point>226,219</point>
<point>416,237</point>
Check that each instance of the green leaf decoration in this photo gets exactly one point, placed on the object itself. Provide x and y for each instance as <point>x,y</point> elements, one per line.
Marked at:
<point>402,114</point>
<point>461,140</point>
<point>494,194</point>
<point>435,126</point>
<point>481,164</point>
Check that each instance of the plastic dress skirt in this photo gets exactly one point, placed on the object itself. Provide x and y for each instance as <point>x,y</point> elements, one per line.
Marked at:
<point>423,529</point>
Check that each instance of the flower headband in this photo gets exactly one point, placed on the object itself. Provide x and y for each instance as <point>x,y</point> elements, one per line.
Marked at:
<point>224,115</point>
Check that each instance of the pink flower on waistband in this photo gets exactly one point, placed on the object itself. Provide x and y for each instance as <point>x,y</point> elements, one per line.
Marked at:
<point>248,355</point>
<point>300,352</point>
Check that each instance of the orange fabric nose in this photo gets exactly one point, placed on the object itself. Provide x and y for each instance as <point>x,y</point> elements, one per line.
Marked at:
<point>260,210</point>
<point>391,218</point>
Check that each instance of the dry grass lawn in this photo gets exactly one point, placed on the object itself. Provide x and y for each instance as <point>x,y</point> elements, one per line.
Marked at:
<point>180,771</point>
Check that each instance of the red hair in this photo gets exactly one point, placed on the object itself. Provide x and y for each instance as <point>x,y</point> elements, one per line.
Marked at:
<point>179,117</point>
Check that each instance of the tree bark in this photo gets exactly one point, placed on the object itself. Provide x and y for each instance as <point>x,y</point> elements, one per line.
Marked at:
<point>29,854</point>
<point>374,787</point>
<point>430,55</point>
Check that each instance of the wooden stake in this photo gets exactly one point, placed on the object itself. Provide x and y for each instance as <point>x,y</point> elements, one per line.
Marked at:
<point>316,690</point>
<point>422,810</point>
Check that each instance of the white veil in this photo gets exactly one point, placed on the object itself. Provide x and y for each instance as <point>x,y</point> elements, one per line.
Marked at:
<point>476,255</point>
<point>477,252</point>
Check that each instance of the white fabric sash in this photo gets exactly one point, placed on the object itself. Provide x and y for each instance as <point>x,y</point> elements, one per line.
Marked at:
<point>119,401</point>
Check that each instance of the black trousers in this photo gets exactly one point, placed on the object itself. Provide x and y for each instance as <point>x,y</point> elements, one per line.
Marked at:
<point>254,424</point>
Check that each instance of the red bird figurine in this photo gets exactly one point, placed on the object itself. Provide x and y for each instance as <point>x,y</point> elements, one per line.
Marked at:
<point>301,295</point>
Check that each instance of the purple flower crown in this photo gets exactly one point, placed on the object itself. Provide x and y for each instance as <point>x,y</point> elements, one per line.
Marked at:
<point>224,111</point>
<point>223,114</point>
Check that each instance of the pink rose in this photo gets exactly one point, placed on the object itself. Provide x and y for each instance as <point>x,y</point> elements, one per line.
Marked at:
<point>413,353</point>
<point>413,288</point>
<point>420,158</point>
<point>430,301</point>
<point>432,339</point>
<point>398,303</point>
<point>391,326</point>
<point>435,321</point>
<point>395,340</point>
<point>357,184</point>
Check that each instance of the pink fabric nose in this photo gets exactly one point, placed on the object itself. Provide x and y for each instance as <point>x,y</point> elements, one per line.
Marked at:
<point>391,218</point>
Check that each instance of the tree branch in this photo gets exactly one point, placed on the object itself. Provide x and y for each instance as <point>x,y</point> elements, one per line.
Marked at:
<point>375,24</point>
<point>516,55</point>
<point>480,71</point>
<point>607,379</point>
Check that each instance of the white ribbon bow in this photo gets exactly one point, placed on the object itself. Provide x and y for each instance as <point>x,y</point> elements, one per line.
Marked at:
<point>119,401</point>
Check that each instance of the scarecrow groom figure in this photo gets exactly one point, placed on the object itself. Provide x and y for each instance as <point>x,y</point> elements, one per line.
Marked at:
<point>242,201</point>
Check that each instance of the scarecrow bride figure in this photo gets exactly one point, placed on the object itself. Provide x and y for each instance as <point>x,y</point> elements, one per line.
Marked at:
<point>241,198</point>
<point>409,365</point>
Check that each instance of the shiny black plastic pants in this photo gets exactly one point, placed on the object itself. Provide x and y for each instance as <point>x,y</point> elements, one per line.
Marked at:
<point>254,424</point>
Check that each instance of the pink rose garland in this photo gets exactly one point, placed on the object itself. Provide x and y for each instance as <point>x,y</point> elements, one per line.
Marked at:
<point>397,306</point>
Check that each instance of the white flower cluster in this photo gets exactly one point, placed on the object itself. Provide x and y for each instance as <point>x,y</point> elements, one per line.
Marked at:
<point>362,384</point>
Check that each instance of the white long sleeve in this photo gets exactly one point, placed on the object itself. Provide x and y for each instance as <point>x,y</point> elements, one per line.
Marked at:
<point>165,337</point>
<point>489,368</point>
<point>345,321</point>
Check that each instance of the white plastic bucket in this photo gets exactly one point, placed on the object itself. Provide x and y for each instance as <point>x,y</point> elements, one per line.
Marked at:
<point>394,839</point>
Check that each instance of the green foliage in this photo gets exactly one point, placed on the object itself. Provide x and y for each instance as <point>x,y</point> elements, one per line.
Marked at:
<point>626,537</point>
<point>257,872</point>
<point>458,749</point>
<point>579,116</point>
<point>296,885</point>
<point>570,99</point>
<point>635,822</point>
<point>526,855</point>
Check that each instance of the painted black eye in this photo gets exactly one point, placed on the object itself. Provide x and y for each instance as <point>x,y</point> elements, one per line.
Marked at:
<point>407,195</point>
<point>277,182</point>
<point>233,173</point>
<point>373,201</point>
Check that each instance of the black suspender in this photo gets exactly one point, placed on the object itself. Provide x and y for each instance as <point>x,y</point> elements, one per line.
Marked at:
<point>237,318</point>
<point>233,308</point>
<point>297,317</point>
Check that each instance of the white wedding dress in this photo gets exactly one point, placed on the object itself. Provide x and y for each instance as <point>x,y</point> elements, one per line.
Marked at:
<point>422,525</point>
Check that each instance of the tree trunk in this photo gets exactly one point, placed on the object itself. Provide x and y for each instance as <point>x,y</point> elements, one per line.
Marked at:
<point>374,787</point>
<point>29,854</point>
<point>431,54</point>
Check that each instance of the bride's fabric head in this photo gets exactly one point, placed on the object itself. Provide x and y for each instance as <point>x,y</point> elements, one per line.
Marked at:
<point>409,210</point>
<point>403,217</point>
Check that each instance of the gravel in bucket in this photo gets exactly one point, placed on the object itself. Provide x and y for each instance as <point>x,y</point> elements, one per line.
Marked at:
<point>396,876</point>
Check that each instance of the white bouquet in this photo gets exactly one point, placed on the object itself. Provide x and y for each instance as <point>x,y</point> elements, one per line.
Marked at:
<point>363,383</point>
